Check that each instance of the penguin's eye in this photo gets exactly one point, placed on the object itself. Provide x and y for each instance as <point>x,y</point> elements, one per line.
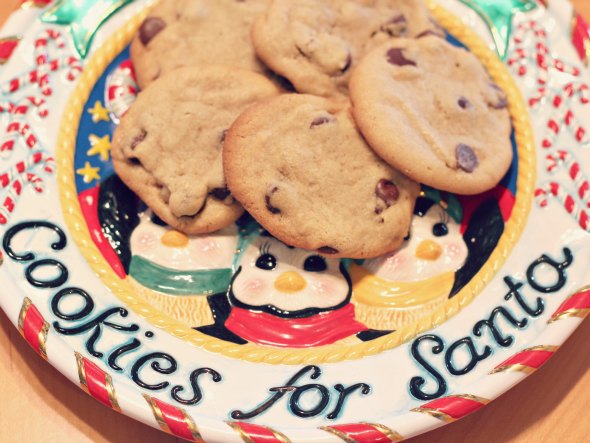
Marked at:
<point>315,263</point>
<point>440,229</point>
<point>408,236</point>
<point>266,262</point>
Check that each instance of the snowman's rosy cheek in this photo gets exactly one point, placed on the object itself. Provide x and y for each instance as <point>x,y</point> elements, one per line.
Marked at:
<point>328,285</point>
<point>254,286</point>
<point>145,242</point>
<point>455,250</point>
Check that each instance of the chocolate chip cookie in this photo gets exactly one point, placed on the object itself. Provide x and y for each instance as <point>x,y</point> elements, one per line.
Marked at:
<point>298,164</point>
<point>196,33</point>
<point>168,146</point>
<point>315,43</point>
<point>430,109</point>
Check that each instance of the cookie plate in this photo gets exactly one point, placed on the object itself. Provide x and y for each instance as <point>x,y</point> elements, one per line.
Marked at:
<point>94,287</point>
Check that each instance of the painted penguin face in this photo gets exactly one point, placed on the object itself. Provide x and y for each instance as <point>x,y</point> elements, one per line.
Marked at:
<point>434,246</point>
<point>167,247</point>
<point>272,274</point>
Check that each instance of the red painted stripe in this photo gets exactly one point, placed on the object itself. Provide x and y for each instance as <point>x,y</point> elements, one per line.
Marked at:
<point>96,382</point>
<point>258,434</point>
<point>581,36</point>
<point>580,300</point>
<point>37,3</point>
<point>175,420</point>
<point>7,47</point>
<point>362,433</point>
<point>88,204</point>
<point>32,325</point>
<point>455,407</point>
<point>533,358</point>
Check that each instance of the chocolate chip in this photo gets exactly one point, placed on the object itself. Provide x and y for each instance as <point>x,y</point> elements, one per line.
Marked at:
<point>387,191</point>
<point>347,63</point>
<point>328,250</point>
<point>267,198</point>
<point>220,193</point>
<point>464,103</point>
<point>466,158</point>
<point>501,104</point>
<point>318,121</point>
<point>395,27</point>
<point>395,56</point>
<point>138,138</point>
<point>150,27</point>
<point>502,99</point>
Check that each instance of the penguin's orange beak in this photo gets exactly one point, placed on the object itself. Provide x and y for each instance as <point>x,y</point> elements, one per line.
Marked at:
<point>428,250</point>
<point>290,282</point>
<point>174,239</point>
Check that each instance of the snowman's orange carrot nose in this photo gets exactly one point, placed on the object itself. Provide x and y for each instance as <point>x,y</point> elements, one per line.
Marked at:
<point>428,250</point>
<point>174,239</point>
<point>290,282</point>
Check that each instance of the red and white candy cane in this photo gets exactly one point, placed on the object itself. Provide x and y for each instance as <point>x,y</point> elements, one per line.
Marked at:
<point>564,117</point>
<point>15,130</point>
<point>530,35</point>
<point>574,171</point>
<point>13,181</point>
<point>554,189</point>
<point>45,66</point>
<point>36,159</point>
<point>13,192</point>
<point>121,90</point>
<point>22,108</point>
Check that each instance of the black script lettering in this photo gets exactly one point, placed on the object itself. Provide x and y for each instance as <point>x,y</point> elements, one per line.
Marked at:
<point>416,383</point>
<point>502,340</point>
<point>514,287</point>
<point>559,268</point>
<point>121,351</point>
<point>279,393</point>
<point>475,358</point>
<point>28,256</point>
<point>194,381</point>
<point>365,389</point>
<point>96,325</point>
<point>314,410</point>
<point>296,392</point>
<point>155,356</point>
<point>44,284</point>
<point>84,311</point>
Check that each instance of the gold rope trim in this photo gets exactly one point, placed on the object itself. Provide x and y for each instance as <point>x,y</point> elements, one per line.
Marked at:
<point>326,354</point>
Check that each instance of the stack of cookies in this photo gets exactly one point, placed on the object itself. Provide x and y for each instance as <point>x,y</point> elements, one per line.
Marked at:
<point>377,101</point>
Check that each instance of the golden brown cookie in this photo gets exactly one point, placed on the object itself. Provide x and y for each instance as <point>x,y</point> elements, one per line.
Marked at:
<point>315,43</point>
<point>196,33</point>
<point>168,147</point>
<point>298,164</point>
<point>430,110</point>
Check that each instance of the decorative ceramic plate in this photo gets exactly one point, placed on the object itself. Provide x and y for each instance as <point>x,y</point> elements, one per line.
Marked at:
<point>162,327</point>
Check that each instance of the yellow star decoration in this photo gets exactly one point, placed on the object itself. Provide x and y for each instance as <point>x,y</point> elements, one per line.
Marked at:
<point>89,173</point>
<point>100,146</point>
<point>99,113</point>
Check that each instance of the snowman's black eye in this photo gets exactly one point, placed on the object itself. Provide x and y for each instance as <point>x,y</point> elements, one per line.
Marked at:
<point>440,230</point>
<point>315,263</point>
<point>267,262</point>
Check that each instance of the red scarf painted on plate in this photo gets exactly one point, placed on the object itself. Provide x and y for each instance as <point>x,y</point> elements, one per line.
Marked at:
<point>321,329</point>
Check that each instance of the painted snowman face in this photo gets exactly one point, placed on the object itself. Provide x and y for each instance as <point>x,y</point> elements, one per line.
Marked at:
<point>288,279</point>
<point>164,246</point>
<point>435,246</point>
